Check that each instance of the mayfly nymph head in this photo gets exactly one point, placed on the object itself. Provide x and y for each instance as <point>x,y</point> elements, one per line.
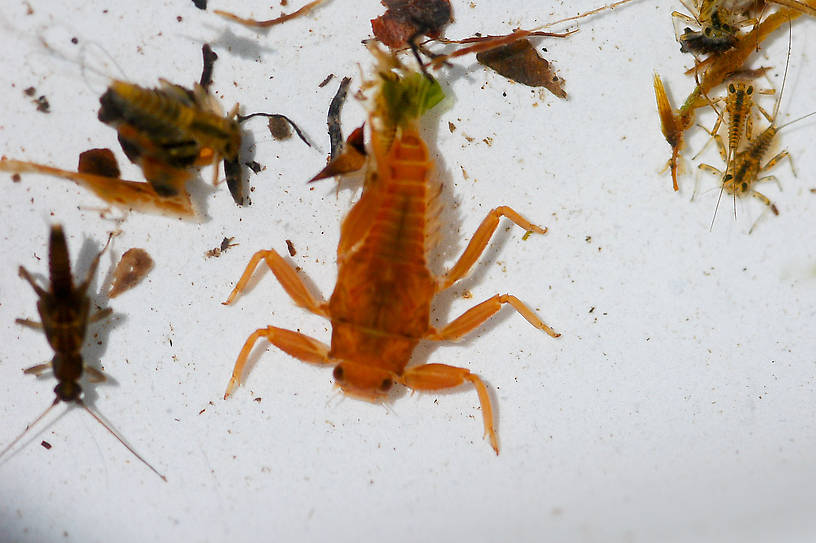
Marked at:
<point>735,186</point>
<point>363,381</point>
<point>738,88</point>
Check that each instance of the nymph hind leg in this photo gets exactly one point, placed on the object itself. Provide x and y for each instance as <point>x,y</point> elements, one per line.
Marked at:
<point>478,314</point>
<point>101,314</point>
<point>479,241</point>
<point>711,169</point>
<point>775,160</point>
<point>94,375</point>
<point>82,287</point>
<point>37,370</point>
<point>764,199</point>
<point>716,137</point>
<point>287,277</point>
<point>679,19</point>
<point>295,344</point>
<point>430,377</point>
<point>25,274</point>
<point>29,323</point>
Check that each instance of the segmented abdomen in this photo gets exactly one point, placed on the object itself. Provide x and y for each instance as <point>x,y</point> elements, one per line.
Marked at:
<point>399,228</point>
<point>759,147</point>
<point>384,287</point>
<point>739,107</point>
<point>749,161</point>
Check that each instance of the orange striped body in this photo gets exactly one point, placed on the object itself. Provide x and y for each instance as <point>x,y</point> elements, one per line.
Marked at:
<point>380,306</point>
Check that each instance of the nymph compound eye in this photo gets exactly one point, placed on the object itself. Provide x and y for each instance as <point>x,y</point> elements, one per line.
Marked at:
<point>386,384</point>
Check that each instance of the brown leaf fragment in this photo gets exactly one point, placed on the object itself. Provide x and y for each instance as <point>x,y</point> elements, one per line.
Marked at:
<point>290,247</point>
<point>520,62</point>
<point>132,268</point>
<point>404,20</point>
<point>279,128</point>
<point>99,162</point>
<point>391,32</point>
<point>325,81</point>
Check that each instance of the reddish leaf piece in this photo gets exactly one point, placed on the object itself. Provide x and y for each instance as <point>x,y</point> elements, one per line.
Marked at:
<point>520,62</point>
<point>99,162</point>
<point>406,19</point>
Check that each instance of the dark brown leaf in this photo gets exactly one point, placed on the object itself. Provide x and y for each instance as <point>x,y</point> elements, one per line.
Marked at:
<point>279,128</point>
<point>99,162</point>
<point>520,62</point>
<point>406,19</point>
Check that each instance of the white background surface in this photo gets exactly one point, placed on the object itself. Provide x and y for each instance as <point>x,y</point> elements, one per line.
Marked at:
<point>680,409</point>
